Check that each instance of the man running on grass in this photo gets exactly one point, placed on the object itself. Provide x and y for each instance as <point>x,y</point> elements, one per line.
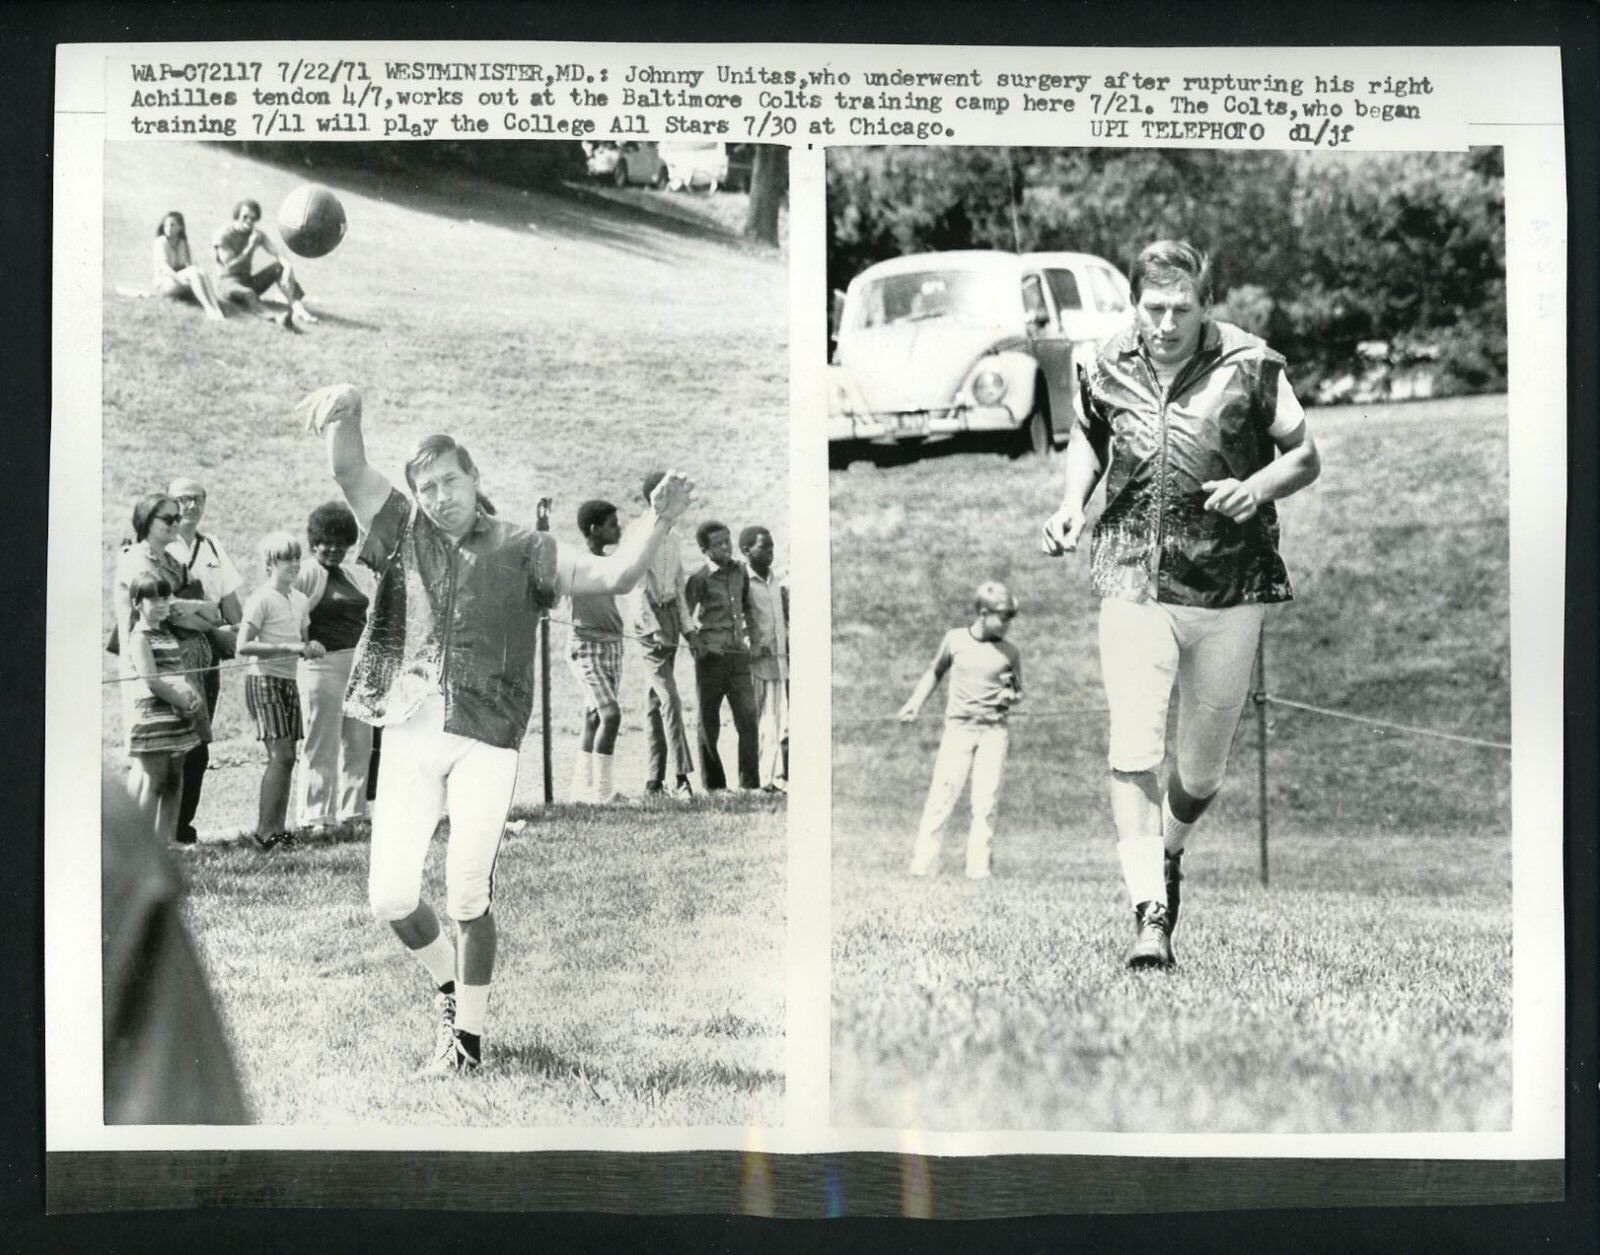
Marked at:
<point>1197,431</point>
<point>446,666</point>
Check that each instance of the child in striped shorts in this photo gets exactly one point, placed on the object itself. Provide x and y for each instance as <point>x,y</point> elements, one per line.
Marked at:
<point>595,656</point>
<point>274,634</point>
<point>161,705</point>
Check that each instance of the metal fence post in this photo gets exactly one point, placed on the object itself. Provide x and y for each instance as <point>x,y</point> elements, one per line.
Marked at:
<point>542,523</point>
<point>1259,697</point>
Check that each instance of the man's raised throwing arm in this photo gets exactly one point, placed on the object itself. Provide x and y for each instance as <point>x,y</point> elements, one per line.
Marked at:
<point>335,413</point>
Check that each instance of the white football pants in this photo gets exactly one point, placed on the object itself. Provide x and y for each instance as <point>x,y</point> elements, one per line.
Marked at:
<point>428,772</point>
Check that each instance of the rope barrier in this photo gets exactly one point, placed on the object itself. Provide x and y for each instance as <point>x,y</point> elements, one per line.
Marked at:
<point>1054,713</point>
<point>1275,700</point>
<point>237,664</point>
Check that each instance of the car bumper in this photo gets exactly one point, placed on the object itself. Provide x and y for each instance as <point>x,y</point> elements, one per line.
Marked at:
<point>908,425</point>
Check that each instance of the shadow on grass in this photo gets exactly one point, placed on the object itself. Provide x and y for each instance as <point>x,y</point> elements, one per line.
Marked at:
<point>1001,448</point>
<point>564,211</point>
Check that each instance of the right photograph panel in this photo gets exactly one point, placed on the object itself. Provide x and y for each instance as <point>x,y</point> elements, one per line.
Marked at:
<point>1170,597</point>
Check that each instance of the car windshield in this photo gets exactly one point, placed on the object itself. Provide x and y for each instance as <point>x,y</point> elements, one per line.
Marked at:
<point>962,295</point>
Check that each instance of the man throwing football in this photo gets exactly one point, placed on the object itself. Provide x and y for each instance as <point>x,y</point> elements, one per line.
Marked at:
<point>1197,432</point>
<point>446,667</point>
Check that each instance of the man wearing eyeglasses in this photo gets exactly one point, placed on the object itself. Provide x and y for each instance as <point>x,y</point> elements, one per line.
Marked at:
<point>210,576</point>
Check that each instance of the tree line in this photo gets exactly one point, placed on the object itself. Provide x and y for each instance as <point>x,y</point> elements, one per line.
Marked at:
<point>536,165</point>
<point>1347,263</point>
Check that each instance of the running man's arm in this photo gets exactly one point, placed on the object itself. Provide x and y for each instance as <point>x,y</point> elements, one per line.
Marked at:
<point>1086,459</point>
<point>622,568</point>
<point>1297,465</point>
<point>1061,529</point>
<point>335,413</point>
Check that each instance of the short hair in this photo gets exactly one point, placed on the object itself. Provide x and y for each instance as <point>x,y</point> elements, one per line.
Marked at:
<point>651,482</point>
<point>429,450</point>
<point>183,229</point>
<point>278,547</point>
<point>747,537</point>
<point>593,514</point>
<point>993,595</point>
<point>331,523</point>
<point>149,584</point>
<point>254,206</point>
<point>707,530</point>
<point>1171,261</point>
<point>146,508</point>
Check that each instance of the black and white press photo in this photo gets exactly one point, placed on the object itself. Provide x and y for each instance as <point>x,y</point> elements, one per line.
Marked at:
<point>1170,512</point>
<point>445,536</point>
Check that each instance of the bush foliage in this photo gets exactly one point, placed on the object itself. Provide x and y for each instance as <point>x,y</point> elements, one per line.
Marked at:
<point>1321,252</point>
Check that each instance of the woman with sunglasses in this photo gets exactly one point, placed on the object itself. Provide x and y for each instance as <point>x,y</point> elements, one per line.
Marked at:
<point>155,526</point>
<point>176,275</point>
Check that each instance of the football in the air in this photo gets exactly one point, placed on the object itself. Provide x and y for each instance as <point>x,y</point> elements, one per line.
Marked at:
<point>312,220</point>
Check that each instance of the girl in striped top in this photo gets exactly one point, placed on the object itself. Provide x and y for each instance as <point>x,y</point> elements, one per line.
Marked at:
<point>161,705</point>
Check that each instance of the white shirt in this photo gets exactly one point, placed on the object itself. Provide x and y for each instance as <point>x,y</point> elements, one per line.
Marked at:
<point>767,628</point>
<point>664,581</point>
<point>212,566</point>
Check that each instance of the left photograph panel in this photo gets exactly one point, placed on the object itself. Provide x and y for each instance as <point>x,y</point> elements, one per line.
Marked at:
<point>445,516</point>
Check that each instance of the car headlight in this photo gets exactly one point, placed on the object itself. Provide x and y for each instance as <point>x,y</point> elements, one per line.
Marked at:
<point>988,387</point>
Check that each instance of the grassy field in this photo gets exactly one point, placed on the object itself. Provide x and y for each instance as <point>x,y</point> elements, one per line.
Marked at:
<point>637,984</point>
<point>573,346</point>
<point>1368,989</point>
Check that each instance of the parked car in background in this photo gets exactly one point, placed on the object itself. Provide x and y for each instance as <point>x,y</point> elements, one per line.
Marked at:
<point>633,161</point>
<point>936,346</point>
<point>695,163</point>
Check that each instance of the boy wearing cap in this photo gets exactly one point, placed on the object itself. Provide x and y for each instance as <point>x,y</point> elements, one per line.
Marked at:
<point>985,683</point>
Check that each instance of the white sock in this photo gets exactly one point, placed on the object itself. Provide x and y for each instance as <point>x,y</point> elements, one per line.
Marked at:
<point>604,789</point>
<point>439,958</point>
<point>1142,869</point>
<point>472,1008</point>
<point>1174,832</point>
<point>583,777</point>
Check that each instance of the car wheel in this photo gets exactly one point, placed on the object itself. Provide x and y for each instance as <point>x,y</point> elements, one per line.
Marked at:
<point>660,181</point>
<point>1037,436</point>
<point>619,176</point>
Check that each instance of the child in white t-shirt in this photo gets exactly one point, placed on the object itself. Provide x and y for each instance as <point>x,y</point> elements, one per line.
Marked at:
<point>985,673</point>
<point>273,635</point>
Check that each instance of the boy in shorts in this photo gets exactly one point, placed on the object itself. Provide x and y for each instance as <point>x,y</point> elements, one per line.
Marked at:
<point>595,656</point>
<point>985,683</point>
<point>273,636</point>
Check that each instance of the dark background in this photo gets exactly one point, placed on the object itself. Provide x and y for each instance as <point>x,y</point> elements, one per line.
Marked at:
<point>26,95</point>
